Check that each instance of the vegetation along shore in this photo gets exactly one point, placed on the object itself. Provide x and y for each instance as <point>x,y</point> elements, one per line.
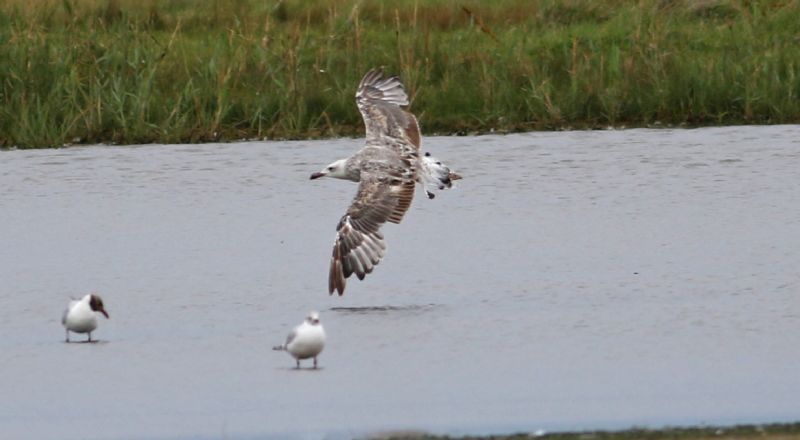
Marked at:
<point>131,71</point>
<point>778,431</point>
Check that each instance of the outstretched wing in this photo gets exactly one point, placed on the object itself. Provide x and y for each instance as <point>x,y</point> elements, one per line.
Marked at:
<point>379,100</point>
<point>359,244</point>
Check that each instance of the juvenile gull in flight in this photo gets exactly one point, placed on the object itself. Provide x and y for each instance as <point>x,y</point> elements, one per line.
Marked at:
<point>80,315</point>
<point>387,169</point>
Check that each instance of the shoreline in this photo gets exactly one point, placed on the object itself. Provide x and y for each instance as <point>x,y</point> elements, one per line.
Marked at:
<point>356,135</point>
<point>775,431</point>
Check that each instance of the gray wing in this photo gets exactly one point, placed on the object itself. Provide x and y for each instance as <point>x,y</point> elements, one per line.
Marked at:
<point>359,244</point>
<point>290,337</point>
<point>379,100</point>
<point>66,311</point>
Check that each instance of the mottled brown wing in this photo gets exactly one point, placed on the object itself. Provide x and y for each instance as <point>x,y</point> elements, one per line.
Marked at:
<point>379,100</point>
<point>359,244</point>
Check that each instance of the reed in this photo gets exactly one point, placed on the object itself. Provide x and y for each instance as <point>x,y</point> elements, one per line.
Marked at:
<point>774,431</point>
<point>129,71</point>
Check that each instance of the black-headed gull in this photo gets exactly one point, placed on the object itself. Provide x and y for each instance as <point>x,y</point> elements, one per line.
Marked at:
<point>81,315</point>
<point>306,340</point>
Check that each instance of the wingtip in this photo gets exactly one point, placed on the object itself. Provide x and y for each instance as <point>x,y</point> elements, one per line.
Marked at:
<point>338,286</point>
<point>376,86</point>
<point>336,280</point>
<point>339,289</point>
<point>373,75</point>
<point>341,282</point>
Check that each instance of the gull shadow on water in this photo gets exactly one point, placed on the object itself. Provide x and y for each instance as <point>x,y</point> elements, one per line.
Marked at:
<point>94,342</point>
<point>412,308</point>
<point>301,369</point>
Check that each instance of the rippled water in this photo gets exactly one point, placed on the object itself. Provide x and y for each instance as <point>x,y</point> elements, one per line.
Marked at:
<point>594,279</point>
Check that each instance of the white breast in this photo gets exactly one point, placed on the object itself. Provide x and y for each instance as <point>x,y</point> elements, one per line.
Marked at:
<point>80,318</point>
<point>308,342</point>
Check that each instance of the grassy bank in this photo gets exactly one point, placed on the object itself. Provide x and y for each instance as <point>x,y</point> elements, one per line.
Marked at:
<point>789,431</point>
<point>133,71</point>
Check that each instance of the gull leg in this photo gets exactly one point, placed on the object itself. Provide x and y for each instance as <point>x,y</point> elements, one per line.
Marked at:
<point>90,337</point>
<point>298,363</point>
<point>315,362</point>
<point>67,332</point>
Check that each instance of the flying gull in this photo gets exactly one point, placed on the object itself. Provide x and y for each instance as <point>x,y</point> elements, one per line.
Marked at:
<point>387,168</point>
<point>80,315</point>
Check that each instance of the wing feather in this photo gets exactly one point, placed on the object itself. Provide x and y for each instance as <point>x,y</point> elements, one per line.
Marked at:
<point>359,244</point>
<point>71,304</point>
<point>291,336</point>
<point>379,100</point>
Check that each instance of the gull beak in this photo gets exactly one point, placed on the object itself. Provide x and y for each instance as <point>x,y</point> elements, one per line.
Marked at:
<point>104,313</point>
<point>316,176</point>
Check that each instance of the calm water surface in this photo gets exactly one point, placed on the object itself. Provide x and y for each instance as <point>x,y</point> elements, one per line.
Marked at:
<point>573,280</point>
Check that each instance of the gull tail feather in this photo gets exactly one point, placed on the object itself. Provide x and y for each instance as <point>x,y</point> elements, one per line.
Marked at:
<point>279,347</point>
<point>435,175</point>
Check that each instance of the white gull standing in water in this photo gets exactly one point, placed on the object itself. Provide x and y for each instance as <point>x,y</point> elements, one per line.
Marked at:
<point>80,315</point>
<point>388,168</point>
<point>306,340</point>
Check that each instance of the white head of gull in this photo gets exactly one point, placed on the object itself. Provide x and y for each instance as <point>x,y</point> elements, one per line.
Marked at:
<point>81,315</point>
<point>387,169</point>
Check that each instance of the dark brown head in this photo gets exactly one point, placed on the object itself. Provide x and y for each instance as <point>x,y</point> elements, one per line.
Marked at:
<point>96,304</point>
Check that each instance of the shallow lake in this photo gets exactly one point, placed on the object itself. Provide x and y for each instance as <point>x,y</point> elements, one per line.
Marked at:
<point>572,280</point>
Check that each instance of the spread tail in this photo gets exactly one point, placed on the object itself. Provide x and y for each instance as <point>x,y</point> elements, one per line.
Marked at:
<point>436,175</point>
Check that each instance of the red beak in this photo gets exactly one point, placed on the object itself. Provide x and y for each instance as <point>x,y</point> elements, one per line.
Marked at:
<point>104,313</point>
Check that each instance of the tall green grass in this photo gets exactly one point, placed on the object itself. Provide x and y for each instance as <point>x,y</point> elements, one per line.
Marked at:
<point>127,71</point>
